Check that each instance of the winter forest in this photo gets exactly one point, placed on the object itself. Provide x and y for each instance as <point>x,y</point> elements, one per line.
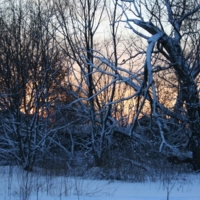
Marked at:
<point>108,88</point>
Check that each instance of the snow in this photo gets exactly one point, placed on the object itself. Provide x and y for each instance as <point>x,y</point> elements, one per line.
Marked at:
<point>16,184</point>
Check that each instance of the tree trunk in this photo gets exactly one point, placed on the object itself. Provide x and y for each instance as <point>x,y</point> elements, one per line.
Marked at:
<point>193,112</point>
<point>188,95</point>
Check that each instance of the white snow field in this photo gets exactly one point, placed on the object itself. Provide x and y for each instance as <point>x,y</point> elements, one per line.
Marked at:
<point>16,184</point>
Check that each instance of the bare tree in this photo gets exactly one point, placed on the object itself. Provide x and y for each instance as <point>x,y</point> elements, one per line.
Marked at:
<point>170,29</point>
<point>30,66</point>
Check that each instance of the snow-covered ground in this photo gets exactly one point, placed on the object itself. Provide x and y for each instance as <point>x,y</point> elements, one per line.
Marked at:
<point>16,184</point>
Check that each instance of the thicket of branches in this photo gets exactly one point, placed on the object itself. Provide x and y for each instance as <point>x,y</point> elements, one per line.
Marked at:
<point>111,84</point>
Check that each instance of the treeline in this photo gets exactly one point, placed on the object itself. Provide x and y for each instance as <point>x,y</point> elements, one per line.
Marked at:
<point>70,93</point>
